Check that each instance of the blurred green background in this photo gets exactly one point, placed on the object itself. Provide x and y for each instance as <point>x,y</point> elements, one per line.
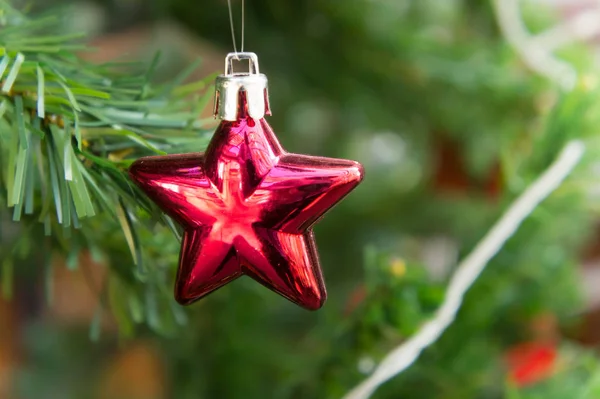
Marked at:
<point>451,126</point>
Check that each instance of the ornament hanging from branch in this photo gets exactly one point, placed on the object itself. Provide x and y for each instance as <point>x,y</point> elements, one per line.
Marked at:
<point>246,206</point>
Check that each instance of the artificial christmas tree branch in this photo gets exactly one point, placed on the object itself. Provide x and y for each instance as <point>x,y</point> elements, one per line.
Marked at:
<point>400,358</point>
<point>70,128</point>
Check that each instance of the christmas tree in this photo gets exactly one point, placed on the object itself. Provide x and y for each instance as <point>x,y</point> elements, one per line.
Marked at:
<point>453,271</point>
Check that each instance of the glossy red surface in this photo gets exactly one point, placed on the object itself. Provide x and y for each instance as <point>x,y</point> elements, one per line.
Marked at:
<point>247,208</point>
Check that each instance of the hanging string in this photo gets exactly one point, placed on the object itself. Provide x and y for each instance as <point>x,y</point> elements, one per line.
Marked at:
<point>231,24</point>
<point>243,22</point>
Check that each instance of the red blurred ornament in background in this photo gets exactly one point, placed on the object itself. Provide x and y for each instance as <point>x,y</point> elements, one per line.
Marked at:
<point>247,207</point>
<point>531,362</point>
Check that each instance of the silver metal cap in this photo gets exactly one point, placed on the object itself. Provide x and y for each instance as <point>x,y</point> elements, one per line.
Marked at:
<point>238,94</point>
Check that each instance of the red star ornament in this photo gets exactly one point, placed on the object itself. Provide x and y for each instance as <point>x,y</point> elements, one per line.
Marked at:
<point>247,207</point>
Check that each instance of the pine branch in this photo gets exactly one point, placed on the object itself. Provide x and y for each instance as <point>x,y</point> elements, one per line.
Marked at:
<point>69,129</point>
<point>80,124</point>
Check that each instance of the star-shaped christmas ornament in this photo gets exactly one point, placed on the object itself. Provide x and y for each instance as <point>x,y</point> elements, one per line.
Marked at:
<point>246,206</point>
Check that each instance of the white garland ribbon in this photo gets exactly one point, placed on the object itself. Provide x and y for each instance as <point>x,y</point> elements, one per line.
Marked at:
<point>537,51</point>
<point>400,358</point>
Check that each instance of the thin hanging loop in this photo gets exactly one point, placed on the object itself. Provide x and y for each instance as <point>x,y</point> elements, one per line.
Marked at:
<point>231,24</point>
<point>252,63</point>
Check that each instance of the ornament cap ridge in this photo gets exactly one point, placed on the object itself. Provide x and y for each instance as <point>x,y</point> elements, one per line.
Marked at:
<point>229,86</point>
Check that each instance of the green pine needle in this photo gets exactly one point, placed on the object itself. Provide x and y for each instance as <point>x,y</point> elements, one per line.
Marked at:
<point>4,64</point>
<point>41,106</point>
<point>14,72</point>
